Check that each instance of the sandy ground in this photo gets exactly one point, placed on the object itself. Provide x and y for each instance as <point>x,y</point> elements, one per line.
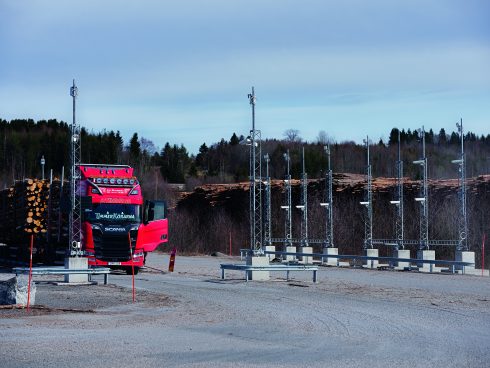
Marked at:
<point>191,318</point>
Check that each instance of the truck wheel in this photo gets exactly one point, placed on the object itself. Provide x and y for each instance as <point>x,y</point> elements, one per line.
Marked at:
<point>129,271</point>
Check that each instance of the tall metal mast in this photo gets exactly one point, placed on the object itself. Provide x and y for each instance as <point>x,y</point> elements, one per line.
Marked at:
<point>287,207</point>
<point>399,202</point>
<point>328,204</point>
<point>255,183</point>
<point>304,205</point>
<point>267,208</point>
<point>424,198</point>
<point>462,220</point>
<point>75,219</point>
<point>368,203</point>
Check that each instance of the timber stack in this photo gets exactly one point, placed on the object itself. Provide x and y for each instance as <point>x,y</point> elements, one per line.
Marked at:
<point>32,207</point>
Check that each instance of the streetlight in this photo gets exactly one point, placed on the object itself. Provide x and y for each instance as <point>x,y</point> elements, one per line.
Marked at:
<point>43,161</point>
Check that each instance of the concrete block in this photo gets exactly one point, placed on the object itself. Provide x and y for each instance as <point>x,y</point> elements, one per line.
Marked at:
<point>258,261</point>
<point>76,263</point>
<point>270,248</point>
<point>331,261</point>
<point>305,259</point>
<point>371,253</point>
<point>427,255</point>
<point>465,257</point>
<point>290,250</point>
<point>14,291</point>
<point>401,253</point>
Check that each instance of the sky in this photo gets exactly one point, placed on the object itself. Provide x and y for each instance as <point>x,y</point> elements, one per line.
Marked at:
<point>180,71</point>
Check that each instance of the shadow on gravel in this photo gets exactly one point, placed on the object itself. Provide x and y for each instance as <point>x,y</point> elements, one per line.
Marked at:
<point>59,299</point>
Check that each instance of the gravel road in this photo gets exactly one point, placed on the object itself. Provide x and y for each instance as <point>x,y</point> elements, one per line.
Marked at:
<point>191,318</point>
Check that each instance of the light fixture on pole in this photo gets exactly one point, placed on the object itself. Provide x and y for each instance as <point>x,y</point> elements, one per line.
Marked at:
<point>43,161</point>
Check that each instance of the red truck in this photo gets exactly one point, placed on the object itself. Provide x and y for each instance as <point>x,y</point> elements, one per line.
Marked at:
<point>118,227</point>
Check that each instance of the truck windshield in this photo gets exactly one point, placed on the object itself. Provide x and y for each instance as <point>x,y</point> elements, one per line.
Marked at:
<point>112,212</point>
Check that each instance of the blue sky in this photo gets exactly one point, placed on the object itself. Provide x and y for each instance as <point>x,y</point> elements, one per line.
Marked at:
<point>180,71</point>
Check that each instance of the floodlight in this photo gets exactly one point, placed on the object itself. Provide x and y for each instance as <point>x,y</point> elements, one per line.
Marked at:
<point>285,207</point>
<point>419,162</point>
<point>324,204</point>
<point>364,203</point>
<point>420,199</point>
<point>301,207</point>
<point>247,141</point>
<point>395,202</point>
<point>457,161</point>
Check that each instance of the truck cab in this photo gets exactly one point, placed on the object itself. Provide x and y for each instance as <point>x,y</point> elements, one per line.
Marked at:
<point>119,228</point>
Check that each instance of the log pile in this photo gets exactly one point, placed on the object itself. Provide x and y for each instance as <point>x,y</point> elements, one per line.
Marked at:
<point>32,207</point>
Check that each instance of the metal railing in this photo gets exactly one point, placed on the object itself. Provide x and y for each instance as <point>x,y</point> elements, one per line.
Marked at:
<point>389,260</point>
<point>59,270</point>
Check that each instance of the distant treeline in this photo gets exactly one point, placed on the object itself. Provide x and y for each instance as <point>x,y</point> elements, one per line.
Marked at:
<point>23,142</point>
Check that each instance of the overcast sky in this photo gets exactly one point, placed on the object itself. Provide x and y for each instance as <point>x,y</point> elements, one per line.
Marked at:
<point>180,71</point>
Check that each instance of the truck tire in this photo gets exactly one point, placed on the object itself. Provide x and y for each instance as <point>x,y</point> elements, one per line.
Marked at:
<point>129,270</point>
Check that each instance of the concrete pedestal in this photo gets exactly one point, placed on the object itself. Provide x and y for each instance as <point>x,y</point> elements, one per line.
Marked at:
<point>258,261</point>
<point>371,253</point>
<point>401,253</point>
<point>465,257</point>
<point>290,257</point>
<point>305,259</point>
<point>331,261</point>
<point>76,263</point>
<point>426,254</point>
<point>270,248</point>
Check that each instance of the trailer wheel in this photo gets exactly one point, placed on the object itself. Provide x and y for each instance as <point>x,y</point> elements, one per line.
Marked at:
<point>129,271</point>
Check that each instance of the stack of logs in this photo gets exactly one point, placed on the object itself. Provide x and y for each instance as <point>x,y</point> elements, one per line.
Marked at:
<point>32,207</point>
<point>33,198</point>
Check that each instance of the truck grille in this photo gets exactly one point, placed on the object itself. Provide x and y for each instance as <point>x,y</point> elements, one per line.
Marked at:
<point>113,248</point>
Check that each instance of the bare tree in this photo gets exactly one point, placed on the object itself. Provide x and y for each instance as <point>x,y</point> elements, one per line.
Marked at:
<point>148,146</point>
<point>292,135</point>
<point>323,138</point>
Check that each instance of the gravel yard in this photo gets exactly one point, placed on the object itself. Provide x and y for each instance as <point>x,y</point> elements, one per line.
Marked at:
<point>191,318</point>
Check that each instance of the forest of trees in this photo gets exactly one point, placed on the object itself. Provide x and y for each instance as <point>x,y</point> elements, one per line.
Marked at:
<point>23,142</point>
<point>201,227</point>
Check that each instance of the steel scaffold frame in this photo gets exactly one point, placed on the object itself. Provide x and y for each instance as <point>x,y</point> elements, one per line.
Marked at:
<point>462,215</point>
<point>304,205</point>
<point>368,203</point>
<point>287,207</point>
<point>75,216</point>
<point>424,198</point>
<point>267,207</point>
<point>255,183</point>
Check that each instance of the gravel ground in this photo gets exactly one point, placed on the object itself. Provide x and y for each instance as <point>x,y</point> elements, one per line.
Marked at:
<point>191,318</point>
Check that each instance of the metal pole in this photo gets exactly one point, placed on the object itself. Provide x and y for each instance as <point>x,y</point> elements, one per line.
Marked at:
<point>399,226</point>
<point>304,205</point>
<point>43,161</point>
<point>462,220</point>
<point>267,208</point>
<point>424,198</point>
<point>75,195</point>
<point>255,184</point>
<point>368,203</point>
<point>328,204</point>
<point>287,207</point>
